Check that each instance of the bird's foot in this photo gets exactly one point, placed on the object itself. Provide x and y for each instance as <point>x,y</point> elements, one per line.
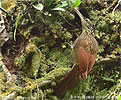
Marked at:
<point>84,75</point>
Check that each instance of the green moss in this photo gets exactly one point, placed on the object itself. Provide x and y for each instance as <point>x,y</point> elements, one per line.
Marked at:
<point>47,56</point>
<point>61,58</point>
<point>8,6</point>
<point>19,98</point>
<point>57,73</point>
<point>26,32</point>
<point>68,35</point>
<point>29,62</point>
<point>37,41</point>
<point>2,84</point>
<point>21,61</point>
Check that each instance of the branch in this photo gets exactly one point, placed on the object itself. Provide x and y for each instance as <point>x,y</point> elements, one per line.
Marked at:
<point>116,6</point>
<point>2,9</point>
<point>11,96</point>
<point>107,60</point>
<point>104,61</point>
<point>44,83</point>
<point>105,79</point>
<point>9,76</point>
<point>112,5</point>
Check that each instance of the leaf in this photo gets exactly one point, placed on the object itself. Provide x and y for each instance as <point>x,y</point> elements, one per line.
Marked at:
<point>76,3</point>
<point>119,98</point>
<point>60,6</point>
<point>64,4</point>
<point>102,92</point>
<point>24,6</point>
<point>57,1</point>
<point>108,79</point>
<point>16,25</point>
<point>48,2</point>
<point>38,6</point>
<point>60,9</point>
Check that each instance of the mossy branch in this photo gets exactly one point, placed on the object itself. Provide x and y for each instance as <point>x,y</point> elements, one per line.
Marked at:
<point>11,96</point>
<point>9,76</point>
<point>104,61</point>
<point>107,60</point>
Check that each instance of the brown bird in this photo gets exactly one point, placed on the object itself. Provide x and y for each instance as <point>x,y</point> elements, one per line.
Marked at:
<point>83,55</point>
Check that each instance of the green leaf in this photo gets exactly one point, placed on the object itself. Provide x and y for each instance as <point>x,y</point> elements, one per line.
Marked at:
<point>64,4</point>
<point>102,92</point>
<point>60,9</point>
<point>24,6</point>
<point>16,25</point>
<point>119,98</point>
<point>108,79</point>
<point>76,3</point>
<point>57,1</point>
<point>48,2</point>
<point>38,6</point>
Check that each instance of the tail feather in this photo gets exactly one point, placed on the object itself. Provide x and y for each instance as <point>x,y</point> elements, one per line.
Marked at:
<point>76,79</point>
<point>68,82</point>
<point>61,88</point>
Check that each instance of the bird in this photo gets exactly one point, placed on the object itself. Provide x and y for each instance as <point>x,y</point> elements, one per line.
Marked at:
<point>84,54</point>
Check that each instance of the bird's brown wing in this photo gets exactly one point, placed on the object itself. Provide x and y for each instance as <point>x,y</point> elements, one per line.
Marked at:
<point>91,61</point>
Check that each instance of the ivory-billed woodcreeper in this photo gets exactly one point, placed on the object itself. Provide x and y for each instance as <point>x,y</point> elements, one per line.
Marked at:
<point>83,55</point>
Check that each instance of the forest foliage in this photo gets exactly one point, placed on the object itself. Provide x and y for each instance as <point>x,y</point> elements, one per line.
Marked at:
<point>38,53</point>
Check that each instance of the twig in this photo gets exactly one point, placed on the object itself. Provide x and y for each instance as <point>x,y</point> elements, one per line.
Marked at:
<point>112,5</point>
<point>37,87</point>
<point>107,60</point>
<point>9,76</point>
<point>2,9</point>
<point>11,96</point>
<point>44,83</point>
<point>105,79</point>
<point>115,92</point>
<point>116,6</point>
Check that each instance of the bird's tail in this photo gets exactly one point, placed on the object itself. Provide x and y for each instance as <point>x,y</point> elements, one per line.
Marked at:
<point>68,82</point>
